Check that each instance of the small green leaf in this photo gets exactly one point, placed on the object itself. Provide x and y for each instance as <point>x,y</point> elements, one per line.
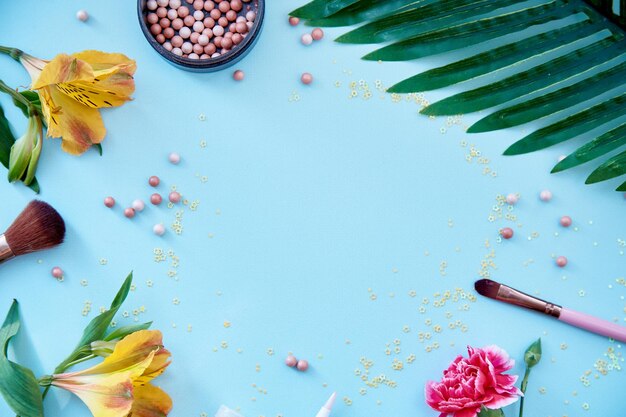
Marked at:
<point>318,9</point>
<point>122,332</point>
<point>18,384</point>
<point>621,187</point>
<point>31,96</point>
<point>532,356</point>
<point>487,412</point>
<point>98,147</point>
<point>614,167</point>
<point>96,329</point>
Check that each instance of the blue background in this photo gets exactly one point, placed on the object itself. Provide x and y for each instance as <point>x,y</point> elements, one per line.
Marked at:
<point>313,202</point>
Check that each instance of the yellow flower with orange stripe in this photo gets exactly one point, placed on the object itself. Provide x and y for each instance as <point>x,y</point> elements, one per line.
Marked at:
<point>73,87</point>
<point>120,385</point>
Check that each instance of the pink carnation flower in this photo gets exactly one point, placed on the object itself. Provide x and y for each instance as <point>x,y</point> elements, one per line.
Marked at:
<point>473,382</point>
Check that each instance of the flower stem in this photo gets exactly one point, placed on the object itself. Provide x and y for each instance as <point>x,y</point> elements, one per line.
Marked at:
<point>18,97</point>
<point>523,389</point>
<point>12,52</point>
<point>62,368</point>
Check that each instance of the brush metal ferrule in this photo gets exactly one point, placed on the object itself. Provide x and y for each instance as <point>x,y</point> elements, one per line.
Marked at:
<point>518,298</point>
<point>5,250</point>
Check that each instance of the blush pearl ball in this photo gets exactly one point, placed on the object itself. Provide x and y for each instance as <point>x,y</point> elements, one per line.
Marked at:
<point>158,229</point>
<point>306,39</point>
<point>317,34</point>
<point>302,365</point>
<point>306,78</point>
<point>174,197</point>
<point>109,202</point>
<point>506,232</point>
<point>291,361</point>
<point>512,199</point>
<point>57,272</point>
<point>566,221</point>
<point>82,15</point>
<point>238,75</point>
<point>156,199</point>
<point>561,261</point>
<point>174,158</point>
<point>138,205</point>
<point>154,181</point>
<point>294,21</point>
<point>129,212</point>
<point>545,195</point>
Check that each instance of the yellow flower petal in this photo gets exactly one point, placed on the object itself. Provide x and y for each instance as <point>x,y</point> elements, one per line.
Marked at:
<point>150,401</point>
<point>104,62</point>
<point>63,69</point>
<point>79,126</point>
<point>106,396</point>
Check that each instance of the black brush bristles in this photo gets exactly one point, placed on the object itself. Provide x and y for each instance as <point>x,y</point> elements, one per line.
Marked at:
<point>487,287</point>
<point>38,227</point>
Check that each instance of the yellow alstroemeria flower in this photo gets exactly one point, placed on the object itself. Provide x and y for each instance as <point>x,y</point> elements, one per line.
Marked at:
<point>73,87</point>
<point>119,384</point>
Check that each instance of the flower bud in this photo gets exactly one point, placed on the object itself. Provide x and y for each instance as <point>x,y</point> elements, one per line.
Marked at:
<point>533,354</point>
<point>25,152</point>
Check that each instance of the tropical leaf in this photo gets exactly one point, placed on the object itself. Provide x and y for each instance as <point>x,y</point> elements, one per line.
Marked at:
<point>574,54</point>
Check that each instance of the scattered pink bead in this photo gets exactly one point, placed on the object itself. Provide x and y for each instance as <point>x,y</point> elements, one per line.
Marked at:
<point>302,365</point>
<point>158,229</point>
<point>138,205</point>
<point>317,34</point>
<point>174,158</point>
<point>238,75</point>
<point>545,195</point>
<point>566,221</point>
<point>129,212</point>
<point>154,181</point>
<point>82,15</point>
<point>174,197</point>
<point>156,199</point>
<point>57,272</point>
<point>291,361</point>
<point>306,39</point>
<point>294,21</point>
<point>306,78</point>
<point>109,202</point>
<point>506,232</point>
<point>512,199</point>
<point>561,261</point>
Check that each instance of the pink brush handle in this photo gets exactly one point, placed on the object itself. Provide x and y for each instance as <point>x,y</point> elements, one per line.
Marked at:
<point>593,324</point>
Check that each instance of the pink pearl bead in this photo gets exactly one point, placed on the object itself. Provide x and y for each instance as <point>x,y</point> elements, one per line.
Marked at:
<point>302,365</point>
<point>511,199</point>
<point>158,229</point>
<point>506,232</point>
<point>294,21</point>
<point>138,205</point>
<point>154,181</point>
<point>291,361</point>
<point>156,199</point>
<point>57,272</point>
<point>306,39</point>
<point>174,197</point>
<point>82,15</point>
<point>238,75</point>
<point>566,221</point>
<point>174,158</point>
<point>317,34</point>
<point>306,78</point>
<point>545,195</point>
<point>129,212</point>
<point>561,261</point>
<point>109,202</point>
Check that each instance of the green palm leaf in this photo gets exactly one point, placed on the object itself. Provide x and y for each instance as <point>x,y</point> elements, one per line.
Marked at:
<point>583,52</point>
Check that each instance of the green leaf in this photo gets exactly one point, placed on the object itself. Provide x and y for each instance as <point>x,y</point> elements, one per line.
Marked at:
<point>601,145</point>
<point>532,356</point>
<point>570,127</point>
<point>621,187</point>
<point>487,412</point>
<point>7,139</point>
<point>494,59</point>
<point>124,331</point>
<point>553,102</point>
<point>98,147</point>
<point>421,18</point>
<point>528,81</point>
<point>31,96</point>
<point>18,384</point>
<point>614,167</point>
<point>321,8</point>
<point>96,329</point>
<point>460,36</point>
<point>360,12</point>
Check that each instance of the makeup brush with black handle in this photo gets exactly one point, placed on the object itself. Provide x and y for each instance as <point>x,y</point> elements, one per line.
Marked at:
<point>38,227</point>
